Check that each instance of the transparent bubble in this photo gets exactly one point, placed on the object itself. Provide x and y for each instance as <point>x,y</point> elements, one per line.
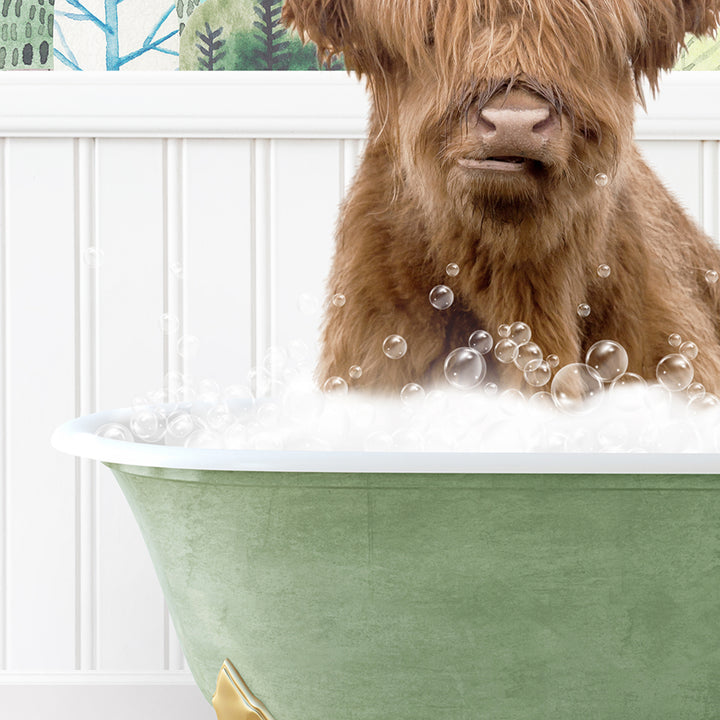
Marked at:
<point>583,310</point>
<point>601,179</point>
<point>412,394</point>
<point>553,360</point>
<point>526,354</point>
<point>338,300</point>
<point>208,387</point>
<point>491,388</point>
<point>188,346</point>
<point>275,359</point>
<point>608,358</point>
<point>703,403</point>
<point>711,277</point>
<point>177,270</point>
<point>355,372</point>
<point>219,417</point>
<point>674,340</point>
<point>114,431</point>
<point>204,439</point>
<point>464,368</point>
<point>512,401</point>
<point>308,304</point>
<point>603,271</point>
<point>537,373</point>
<point>542,401</point>
<point>689,350</point>
<point>577,389</point>
<point>520,333</point>
<point>674,372</point>
<point>147,425</point>
<point>441,297</point>
<point>236,437</point>
<point>180,424</point>
<point>239,399</point>
<point>93,257</point>
<point>695,390</point>
<point>504,331</point>
<point>394,346</point>
<point>268,415</point>
<point>506,351</point>
<point>481,341</point>
<point>657,397</point>
<point>298,350</point>
<point>335,386</point>
<point>259,381</point>
<point>406,440</point>
<point>452,269</point>
<point>169,323</point>
<point>628,382</point>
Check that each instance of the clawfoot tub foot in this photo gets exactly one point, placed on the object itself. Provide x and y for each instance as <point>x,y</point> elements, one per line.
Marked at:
<point>233,700</point>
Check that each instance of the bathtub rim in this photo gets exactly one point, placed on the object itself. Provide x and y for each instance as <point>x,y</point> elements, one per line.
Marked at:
<point>77,437</point>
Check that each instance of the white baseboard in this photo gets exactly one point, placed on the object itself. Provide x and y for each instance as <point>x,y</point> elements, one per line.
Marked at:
<point>89,696</point>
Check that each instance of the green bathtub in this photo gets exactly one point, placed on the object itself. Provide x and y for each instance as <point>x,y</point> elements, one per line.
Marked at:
<point>351,586</point>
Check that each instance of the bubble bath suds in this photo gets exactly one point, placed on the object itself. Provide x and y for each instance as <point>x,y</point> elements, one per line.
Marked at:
<point>596,406</point>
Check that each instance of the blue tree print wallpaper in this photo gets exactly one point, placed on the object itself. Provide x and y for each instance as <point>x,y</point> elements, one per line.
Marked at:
<point>206,35</point>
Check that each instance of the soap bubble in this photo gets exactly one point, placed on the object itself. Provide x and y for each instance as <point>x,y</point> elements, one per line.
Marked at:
<point>355,372</point>
<point>542,401</point>
<point>506,351</point>
<point>583,310</point>
<point>115,431</point>
<point>338,300</point>
<point>657,397</point>
<point>703,403</point>
<point>268,414</point>
<point>441,297</point>
<point>675,372</point>
<point>711,277</point>
<point>308,304</point>
<point>204,439</point>
<point>259,381</point>
<point>93,257</point>
<point>695,390</point>
<point>147,425</point>
<point>335,386</point>
<point>553,360</point>
<point>674,340</point>
<point>180,424</point>
<point>537,373</point>
<point>577,389</point>
<point>526,354</point>
<point>236,437</point>
<point>452,269</point>
<point>628,383</point>
<point>603,271</point>
<point>608,358</point>
<point>394,346</point>
<point>188,346</point>
<point>464,368</point>
<point>689,350</point>
<point>491,388</point>
<point>412,394</point>
<point>405,440</point>
<point>481,341</point>
<point>601,179</point>
<point>504,330</point>
<point>177,270</point>
<point>219,417</point>
<point>298,351</point>
<point>275,359</point>
<point>169,323</point>
<point>520,333</point>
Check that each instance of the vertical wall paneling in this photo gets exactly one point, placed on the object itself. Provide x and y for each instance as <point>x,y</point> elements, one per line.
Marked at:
<point>40,394</point>
<point>263,199</point>
<point>218,210</point>
<point>88,256</point>
<point>174,233</point>
<point>4,519</point>
<point>678,163</point>
<point>305,214</point>
<point>711,188</point>
<point>131,346</point>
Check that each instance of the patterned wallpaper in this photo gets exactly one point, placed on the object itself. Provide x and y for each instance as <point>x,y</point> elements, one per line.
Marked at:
<point>177,35</point>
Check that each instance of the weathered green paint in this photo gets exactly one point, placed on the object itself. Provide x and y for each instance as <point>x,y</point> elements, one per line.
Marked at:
<point>415,597</point>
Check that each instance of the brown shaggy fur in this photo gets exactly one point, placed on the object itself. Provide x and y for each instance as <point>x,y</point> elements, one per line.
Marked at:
<point>528,244</point>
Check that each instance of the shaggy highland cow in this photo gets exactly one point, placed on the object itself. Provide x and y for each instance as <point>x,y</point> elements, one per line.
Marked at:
<point>491,122</point>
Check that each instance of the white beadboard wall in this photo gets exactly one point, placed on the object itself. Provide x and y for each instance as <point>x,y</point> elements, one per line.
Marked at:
<point>236,179</point>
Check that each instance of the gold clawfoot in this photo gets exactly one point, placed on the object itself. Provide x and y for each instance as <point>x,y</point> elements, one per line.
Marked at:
<point>233,700</point>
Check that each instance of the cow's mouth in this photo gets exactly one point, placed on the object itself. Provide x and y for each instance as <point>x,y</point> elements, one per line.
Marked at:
<point>503,163</point>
